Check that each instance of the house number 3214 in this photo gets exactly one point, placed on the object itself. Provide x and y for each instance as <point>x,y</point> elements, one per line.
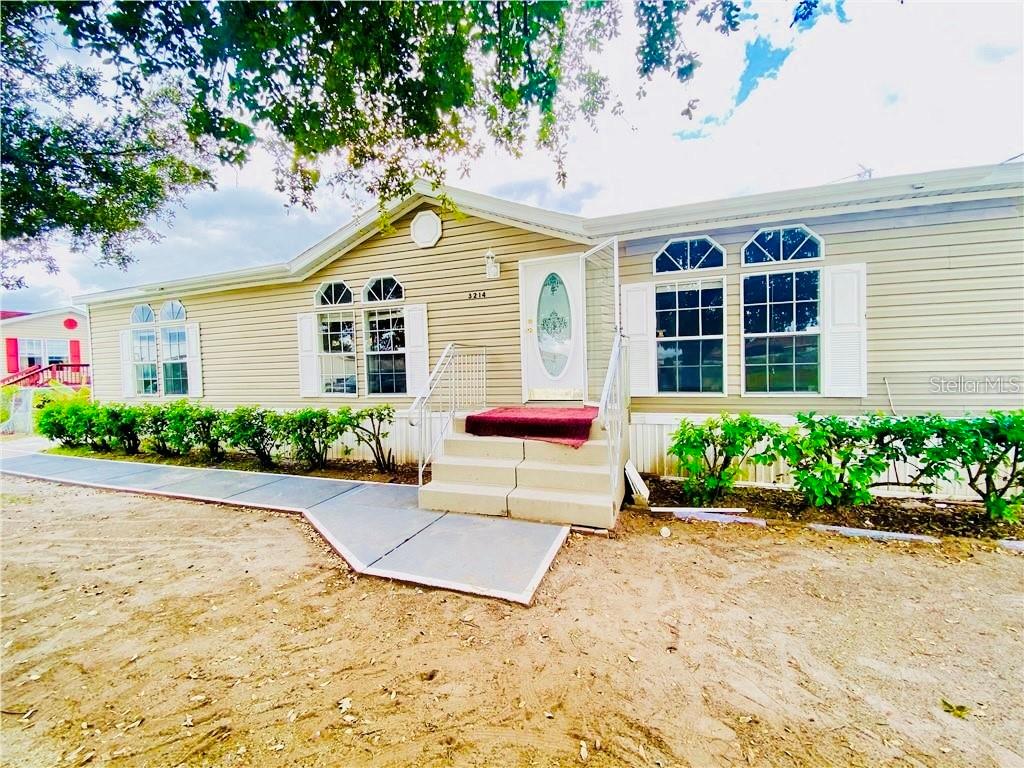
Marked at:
<point>478,294</point>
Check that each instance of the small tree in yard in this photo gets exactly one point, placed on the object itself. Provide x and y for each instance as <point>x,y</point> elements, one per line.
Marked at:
<point>255,431</point>
<point>123,425</point>
<point>206,431</point>
<point>312,432</point>
<point>711,454</point>
<point>169,427</point>
<point>370,427</point>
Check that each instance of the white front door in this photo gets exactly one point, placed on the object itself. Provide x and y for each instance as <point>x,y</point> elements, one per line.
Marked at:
<point>551,319</point>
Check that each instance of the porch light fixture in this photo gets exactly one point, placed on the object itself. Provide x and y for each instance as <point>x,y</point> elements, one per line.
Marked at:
<point>491,266</point>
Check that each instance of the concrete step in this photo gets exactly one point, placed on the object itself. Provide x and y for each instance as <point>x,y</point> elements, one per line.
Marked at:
<point>475,470</point>
<point>483,447</point>
<point>567,477</point>
<point>592,452</point>
<point>468,499</point>
<point>566,507</point>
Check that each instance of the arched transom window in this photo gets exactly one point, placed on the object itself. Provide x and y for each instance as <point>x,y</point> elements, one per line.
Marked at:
<point>333,295</point>
<point>689,254</point>
<point>782,244</point>
<point>383,289</point>
<point>172,311</point>
<point>142,313</point>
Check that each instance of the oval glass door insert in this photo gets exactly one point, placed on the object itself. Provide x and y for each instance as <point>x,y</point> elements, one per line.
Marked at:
<point>554,325</point>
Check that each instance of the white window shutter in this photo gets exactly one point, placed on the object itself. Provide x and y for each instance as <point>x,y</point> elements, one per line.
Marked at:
<point>638,326</point>
<point>417,349</point>
<point>195,361</point>
<point>844,299</point>
<point>127,370</point>
<point>309,377</point>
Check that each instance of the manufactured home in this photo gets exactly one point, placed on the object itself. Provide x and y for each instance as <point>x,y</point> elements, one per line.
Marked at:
<point>40,347</point>
<point>902,294</point>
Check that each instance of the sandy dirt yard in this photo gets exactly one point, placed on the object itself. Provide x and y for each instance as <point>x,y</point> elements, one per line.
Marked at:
<point>146,632</point>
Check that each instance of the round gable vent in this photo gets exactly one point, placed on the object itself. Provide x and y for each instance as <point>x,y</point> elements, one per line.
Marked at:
<point>70,323</point>
<point>426,229</point>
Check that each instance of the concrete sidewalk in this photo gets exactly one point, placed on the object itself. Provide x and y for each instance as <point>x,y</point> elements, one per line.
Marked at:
<point>376,527</point>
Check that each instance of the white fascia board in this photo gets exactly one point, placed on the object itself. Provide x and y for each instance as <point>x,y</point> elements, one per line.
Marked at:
<point>219,281</point>
<point>876,194</point>
<point>46,313</point>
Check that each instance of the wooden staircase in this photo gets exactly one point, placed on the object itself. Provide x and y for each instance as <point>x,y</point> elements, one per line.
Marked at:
<point>526,479</point>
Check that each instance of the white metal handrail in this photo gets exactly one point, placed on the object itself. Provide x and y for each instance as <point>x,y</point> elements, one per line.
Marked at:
<point>457,383</point>
<point>612,409</point>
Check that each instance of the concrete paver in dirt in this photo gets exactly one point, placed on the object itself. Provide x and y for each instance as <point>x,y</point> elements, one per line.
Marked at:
<point>499,557</point>
<point>378,528</point>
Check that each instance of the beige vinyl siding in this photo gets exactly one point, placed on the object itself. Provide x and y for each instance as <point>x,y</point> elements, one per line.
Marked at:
<point>945,298</point>
<point>249,337</point>
<point>49,327</point>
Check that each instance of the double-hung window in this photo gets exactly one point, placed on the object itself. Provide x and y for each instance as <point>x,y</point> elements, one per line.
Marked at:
<point>144,365</point>
<point>30,352</point>
<point>159,350</point>
<point>782,332</point>
<point>689,323</point>
<point>337,352</point>
<point>385,337</point>
<point>385,351</point>
<point>336,340</point>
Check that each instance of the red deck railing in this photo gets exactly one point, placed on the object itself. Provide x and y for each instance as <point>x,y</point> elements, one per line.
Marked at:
<point>70,374</point>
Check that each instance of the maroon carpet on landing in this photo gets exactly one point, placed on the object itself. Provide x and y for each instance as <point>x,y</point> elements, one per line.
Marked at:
<point>568,426</point>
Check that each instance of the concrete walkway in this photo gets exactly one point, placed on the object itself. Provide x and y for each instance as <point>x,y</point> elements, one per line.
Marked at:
<point>376,527</point>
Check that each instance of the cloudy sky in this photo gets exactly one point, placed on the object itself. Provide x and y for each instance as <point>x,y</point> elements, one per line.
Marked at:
<point>894,88</point>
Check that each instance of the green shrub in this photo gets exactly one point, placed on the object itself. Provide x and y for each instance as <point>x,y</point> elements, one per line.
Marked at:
<point>253,430</point>
<point>122,425</point>
<point>168,427</point>
<point>73,422</point>
<point>311,433</point>
<point>989,452</point>
<point>710,455</point>
<point>207,432</point>
<point>832,460</point>
<point>370,427</point>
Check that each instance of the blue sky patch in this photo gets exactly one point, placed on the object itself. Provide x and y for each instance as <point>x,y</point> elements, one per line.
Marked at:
<point>891,98</point>
<point>995,54</point>
<point>762,60</point>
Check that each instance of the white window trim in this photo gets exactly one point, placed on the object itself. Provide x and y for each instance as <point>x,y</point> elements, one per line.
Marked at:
<point>725,337</point>
<point>356,320</point>
<point>763,264</point>
<point>23,356</point>
<point>699,270</point>
<point>46,350</point>
<point>170,325</point>
<point>131,316</point>
<point>381,302</point>
<point>155,328</point>
<point>373,307</point>
<point>320,287</point>
<point>784,266</point>
<point>160,315</point>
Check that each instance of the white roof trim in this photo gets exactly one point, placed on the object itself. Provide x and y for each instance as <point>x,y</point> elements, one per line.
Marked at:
<point>46,313</point>
<point>982,182</point>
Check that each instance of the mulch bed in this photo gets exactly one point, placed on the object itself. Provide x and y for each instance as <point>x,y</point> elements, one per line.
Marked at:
<point>919,514</point>
<point>340,469</point>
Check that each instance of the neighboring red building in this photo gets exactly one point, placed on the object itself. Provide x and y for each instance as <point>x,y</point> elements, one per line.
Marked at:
<point>54,343</point>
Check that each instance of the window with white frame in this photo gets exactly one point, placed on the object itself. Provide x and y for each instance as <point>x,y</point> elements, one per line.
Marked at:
<point>57,351</point>
<point>782,332</point>
<point>144,365</point>
<point>337,352</point>
<point>159,350</point>
<point>690,329</point>
<point>142,313</point>
<point>782,244</point>
<point>385,351</point>
<point>384,288</point>
<point>689,254</point>
<point>30,352</point>
<point>333,294</point>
